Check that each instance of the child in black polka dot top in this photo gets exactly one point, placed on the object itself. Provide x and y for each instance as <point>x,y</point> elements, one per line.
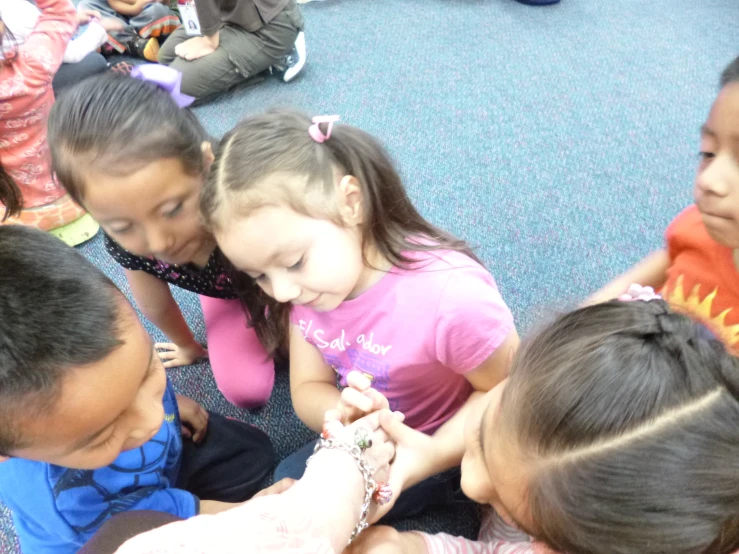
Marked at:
<point>136,160</point>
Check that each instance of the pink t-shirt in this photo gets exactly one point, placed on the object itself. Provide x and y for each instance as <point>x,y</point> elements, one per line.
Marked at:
<point>415,334</point>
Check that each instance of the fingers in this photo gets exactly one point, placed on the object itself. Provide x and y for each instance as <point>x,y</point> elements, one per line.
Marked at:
<point>165,346</point>
<point>333,415</point>
<point>172,363</point>
<point>358,381</point>
<point>379,401</point>
<point>186,431</point>
<point>356,399</point>
<point>200,424</point>
<point>392,423</point>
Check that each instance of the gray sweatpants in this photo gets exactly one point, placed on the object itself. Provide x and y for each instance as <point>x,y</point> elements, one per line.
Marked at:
<point>240,54</point>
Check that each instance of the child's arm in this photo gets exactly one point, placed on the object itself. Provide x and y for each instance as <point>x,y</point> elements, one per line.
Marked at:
<point>156,302</point>
<point>650,272</point>
<point>312,381</point>
<point>41,54</point>
<point>94,36</point>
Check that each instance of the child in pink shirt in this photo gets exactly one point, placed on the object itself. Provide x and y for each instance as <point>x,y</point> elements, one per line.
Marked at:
<point>26,97</point>
<point>318,218</point>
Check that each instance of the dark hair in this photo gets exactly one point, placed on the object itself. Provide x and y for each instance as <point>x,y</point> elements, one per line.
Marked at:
<point>57,312</point>
<point>278,142</point>
<point>628,414</point>
<point>118,124</point>
<point>11,39</point>
<point>10,195</point>
<point>731,73</point>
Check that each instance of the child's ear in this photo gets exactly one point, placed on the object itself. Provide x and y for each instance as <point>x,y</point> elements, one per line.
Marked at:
<point>350,201</point>
<point>208,155</point>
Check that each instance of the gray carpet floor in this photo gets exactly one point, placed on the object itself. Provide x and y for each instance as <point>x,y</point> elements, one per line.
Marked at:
<point>559,141</point>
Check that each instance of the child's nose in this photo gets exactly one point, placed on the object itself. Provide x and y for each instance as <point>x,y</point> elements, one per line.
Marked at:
<point>159,243</point>
<point>712,179</point>
<point>283,290</point>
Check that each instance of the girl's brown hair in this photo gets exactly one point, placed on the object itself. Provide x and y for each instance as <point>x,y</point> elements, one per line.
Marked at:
<point>277,142</point>
<point>629,416</point>
<point>10,195</point>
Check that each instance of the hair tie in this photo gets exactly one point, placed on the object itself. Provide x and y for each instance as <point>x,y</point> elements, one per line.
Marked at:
<point>166,78</point>
<point>637,292</point>
<point>315,130</point>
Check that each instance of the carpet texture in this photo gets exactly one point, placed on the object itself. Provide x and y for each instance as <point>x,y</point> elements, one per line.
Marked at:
<point>559,141</point>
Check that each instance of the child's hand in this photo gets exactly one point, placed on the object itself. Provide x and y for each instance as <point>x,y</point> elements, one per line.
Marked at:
<point>174,356</point>
<point>193,417</point>
<point>85,16</point>
<point>413,450</point>
<point>111,24</point>
<point>278,488</point>
<point>358,399</point>
<point>196,47</point>
<point>381,539</point>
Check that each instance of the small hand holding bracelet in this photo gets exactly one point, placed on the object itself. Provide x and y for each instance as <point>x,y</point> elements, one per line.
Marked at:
<point>379,492</point>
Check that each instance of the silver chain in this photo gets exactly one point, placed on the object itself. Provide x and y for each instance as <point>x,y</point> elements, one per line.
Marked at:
<point>367,471</point>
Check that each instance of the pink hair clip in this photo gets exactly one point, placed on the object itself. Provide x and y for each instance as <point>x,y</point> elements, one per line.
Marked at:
<point>315,130</point>
<point>637,292</point>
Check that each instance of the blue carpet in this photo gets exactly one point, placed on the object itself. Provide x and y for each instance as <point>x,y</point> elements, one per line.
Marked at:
<point>559,141</point>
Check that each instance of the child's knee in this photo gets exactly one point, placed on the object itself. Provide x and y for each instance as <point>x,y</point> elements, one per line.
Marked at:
<point>157,10</point>
<point>247,391</point>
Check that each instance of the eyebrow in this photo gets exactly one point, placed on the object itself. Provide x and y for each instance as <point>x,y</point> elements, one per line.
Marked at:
<point>89,439</point>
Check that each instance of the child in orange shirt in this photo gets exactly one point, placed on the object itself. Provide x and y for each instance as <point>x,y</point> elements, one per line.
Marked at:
<point>698,270</point>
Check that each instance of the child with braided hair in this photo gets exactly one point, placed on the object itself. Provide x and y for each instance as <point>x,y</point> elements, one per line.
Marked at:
<point>615,433</point>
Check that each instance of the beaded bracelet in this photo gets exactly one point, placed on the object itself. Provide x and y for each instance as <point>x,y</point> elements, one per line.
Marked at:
<point>367,471</point>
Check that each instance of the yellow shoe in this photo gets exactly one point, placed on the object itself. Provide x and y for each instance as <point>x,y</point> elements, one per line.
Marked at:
<point>78,231</point>
<point>147,48</point>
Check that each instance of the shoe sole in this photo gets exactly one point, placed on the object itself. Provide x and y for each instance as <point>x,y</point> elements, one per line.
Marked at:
<point>151,50</point>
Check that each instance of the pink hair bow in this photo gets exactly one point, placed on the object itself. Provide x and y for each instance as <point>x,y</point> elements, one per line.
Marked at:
<point>315,130</point>
<point>166,78</point>
<point>637,292</point>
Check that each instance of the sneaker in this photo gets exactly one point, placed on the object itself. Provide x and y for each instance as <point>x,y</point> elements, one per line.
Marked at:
<point>144,48</point>
<point>293,62</point>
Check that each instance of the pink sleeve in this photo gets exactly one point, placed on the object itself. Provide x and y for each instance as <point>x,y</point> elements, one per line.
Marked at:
<point>261,526</point>
<point>40,56</point>
<point>496,537</point>
<point>472,320</point>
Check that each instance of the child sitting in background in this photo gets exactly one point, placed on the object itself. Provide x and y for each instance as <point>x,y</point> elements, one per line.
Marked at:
<point>222,44</point>
<point>615,433</point>
<point>26,97</point>
<point>90,425</point>
<point>81,58</point>
<point>698,271</point>
<point>144,23</point>
<point>317,216</point>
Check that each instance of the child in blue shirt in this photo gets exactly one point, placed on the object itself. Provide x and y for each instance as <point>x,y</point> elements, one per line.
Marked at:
<point>90,426</point>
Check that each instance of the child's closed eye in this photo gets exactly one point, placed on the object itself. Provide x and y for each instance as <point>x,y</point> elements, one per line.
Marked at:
<point>705,155</point>
<point>297,265</point>
<point>174,211</point>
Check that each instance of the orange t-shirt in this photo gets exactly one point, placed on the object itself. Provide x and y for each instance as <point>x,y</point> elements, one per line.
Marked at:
<point>702,279</point>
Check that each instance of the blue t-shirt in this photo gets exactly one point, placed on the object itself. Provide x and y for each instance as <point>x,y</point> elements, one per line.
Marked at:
<point>57,509</point>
